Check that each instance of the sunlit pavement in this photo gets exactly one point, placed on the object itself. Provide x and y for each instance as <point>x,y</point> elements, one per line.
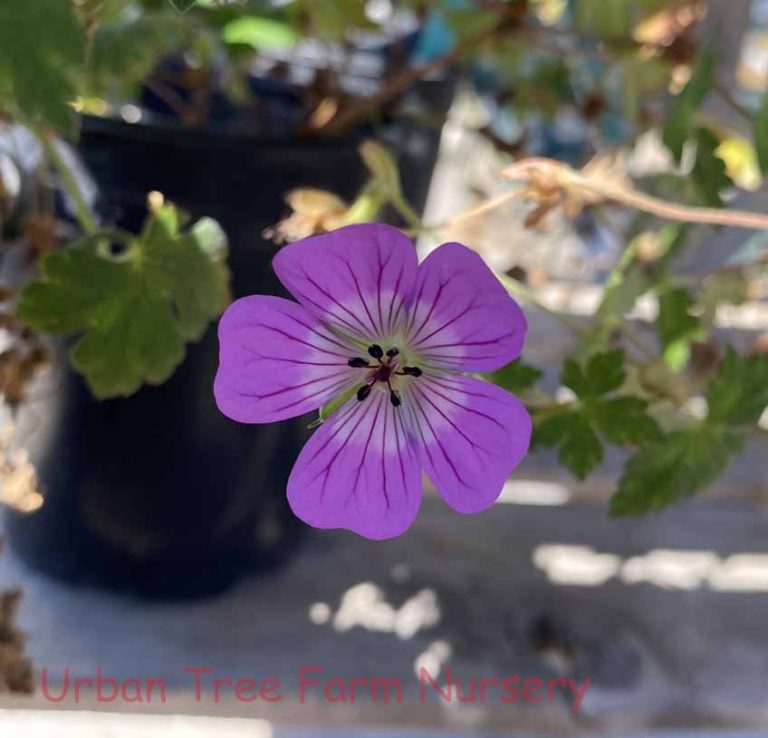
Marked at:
<point>666,616</point>
<point>29,724</point>
<point>90,725</point>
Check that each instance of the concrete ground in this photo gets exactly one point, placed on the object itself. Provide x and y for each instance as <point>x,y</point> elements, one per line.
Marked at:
<point>666,616</point>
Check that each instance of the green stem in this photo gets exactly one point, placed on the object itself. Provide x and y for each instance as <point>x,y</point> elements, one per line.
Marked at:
<point>408,214</point>
<point>82,211</point>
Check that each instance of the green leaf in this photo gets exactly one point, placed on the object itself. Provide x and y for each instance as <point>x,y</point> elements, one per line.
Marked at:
<point>604,373</point>
<point>738,394</point>
<point>579,448</point>
<point>576,428</point>
<point>709,173</point>
<point>260,33</point>
<point>761,134</point>
<point>133,313</point>
<point>42,46</point>
<point>678,125</point>
<point>515,377</point>
<point>676,325</point>
<point>674,467</point>
<point>625,420</point>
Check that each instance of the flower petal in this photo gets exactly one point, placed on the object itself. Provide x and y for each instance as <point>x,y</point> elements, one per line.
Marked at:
<point>461,316</point>
<point>357,278</point>
<point>359,471</point>
<point>276,361</point>
<point>471,434</point>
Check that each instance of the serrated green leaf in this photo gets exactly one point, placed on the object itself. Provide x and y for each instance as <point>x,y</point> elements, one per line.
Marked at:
<point>738,394</point>
<point>761,134</point>
<point>604,373</point>
<point>578,447</point>
<point>133,313</point>
<point>42,46</point>
<point>625,420</point>
<point>576,428</point>
<point>674,467</point>
<point>573,377</point>
<point>709,173</point>
<point>516,376</point>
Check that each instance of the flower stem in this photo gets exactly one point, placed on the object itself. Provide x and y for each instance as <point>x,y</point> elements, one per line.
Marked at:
<point>682,213</point>
<point>408,214</point>
<point>484,207</point>
<point>82,211</point>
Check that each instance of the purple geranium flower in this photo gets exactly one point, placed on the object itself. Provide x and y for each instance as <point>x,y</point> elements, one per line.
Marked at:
<point>389,337</point>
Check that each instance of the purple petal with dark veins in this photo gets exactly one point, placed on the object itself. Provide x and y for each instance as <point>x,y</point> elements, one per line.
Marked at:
<point>277,361</point>
<point>357,278</point>
<point>359,471</point>
<point>461,316</point>
<point>470,436</point>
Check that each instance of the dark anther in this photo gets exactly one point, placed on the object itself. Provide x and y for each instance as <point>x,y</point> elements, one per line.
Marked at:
<point>376,351</point>
<point>393,352</point>
<point>358,362</point>
<point>394,398</point>
<point>363,392</point>
<point>412,371</point>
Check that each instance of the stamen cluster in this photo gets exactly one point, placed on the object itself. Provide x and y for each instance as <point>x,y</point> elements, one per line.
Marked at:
<point>386,367</point>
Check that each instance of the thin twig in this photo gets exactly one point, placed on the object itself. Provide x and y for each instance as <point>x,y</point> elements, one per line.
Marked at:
<point>683,213</point>
<point>484,207</point>
<point>571,182</point>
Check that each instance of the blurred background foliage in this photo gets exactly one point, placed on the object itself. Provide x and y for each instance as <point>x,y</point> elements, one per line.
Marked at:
<point>582,82</point>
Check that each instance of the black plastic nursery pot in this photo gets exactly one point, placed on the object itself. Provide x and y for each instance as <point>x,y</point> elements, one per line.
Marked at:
<point>159,493</point>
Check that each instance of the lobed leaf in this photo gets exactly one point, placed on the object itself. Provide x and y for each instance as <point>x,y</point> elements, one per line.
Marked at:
<point>516,376</point>
<point>738,394</point>
<point>133,313</point>
<point>674,467</point>
<point>569,429</point>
